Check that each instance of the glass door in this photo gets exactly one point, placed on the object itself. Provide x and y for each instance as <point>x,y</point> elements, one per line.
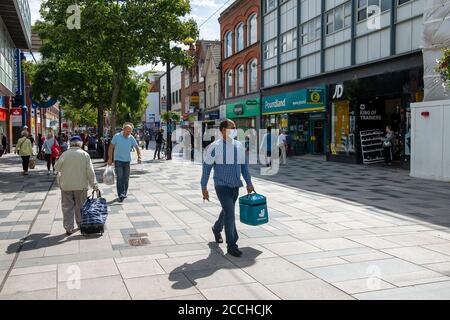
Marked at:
<point>317,140</point>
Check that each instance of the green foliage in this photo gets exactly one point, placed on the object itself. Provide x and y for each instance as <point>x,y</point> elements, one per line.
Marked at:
<point>84,116</point>
<point>114,36</point>
<point>443,68</point>
<point>171,116</point>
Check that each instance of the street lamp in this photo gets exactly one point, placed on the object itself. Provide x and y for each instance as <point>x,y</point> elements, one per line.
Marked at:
<point>187,41</point>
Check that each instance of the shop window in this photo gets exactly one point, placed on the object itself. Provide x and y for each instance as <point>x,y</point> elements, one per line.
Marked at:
<point>342,128</point>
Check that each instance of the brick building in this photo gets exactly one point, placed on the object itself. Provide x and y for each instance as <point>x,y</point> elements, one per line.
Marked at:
<point>240,35</point>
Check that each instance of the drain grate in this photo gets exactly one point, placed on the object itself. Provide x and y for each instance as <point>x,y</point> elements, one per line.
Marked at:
<point>139,242</point>
<point>138,235</point>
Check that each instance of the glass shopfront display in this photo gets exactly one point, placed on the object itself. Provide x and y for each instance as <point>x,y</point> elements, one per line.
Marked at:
<point>368,105</point>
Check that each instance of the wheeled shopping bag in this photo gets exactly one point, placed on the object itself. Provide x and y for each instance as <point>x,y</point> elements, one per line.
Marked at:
<point>253,209</point>
<point>93,215</point>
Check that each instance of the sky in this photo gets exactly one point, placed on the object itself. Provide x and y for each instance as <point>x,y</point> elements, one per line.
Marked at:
<point>201,10</point>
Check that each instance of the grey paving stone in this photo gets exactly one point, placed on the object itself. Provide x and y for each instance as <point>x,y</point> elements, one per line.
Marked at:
<point>312,289</point>
<point>433,291</point>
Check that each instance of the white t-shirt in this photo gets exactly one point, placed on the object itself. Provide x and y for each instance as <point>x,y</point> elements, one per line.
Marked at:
<point>282,139</point>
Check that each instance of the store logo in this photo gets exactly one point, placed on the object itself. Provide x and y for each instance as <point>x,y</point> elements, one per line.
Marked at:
<point>315,97</point>
<point>276,104</point>
<point>262,214</point>
<point>338,91</point>
<point>362,107</point>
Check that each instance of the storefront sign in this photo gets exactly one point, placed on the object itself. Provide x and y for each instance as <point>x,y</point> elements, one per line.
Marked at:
<point>243,109</point>
<point>2,114</point>
<point>195,99</point>
<point>368,115</point>
<point>213,115</point>
<point>299,101</point>
<point>16,112</point>
<point>338,91</point>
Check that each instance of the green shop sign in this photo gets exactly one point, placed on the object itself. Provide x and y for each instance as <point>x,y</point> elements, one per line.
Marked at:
<point>304,100</point>
<point>243,109</point>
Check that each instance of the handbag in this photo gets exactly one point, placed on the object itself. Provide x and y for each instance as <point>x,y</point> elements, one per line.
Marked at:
<point>56,150</point>
<point>387,144</point>
<point>32,163</point>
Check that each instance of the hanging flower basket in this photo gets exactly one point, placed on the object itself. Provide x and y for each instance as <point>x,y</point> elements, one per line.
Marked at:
<point>443,68</point>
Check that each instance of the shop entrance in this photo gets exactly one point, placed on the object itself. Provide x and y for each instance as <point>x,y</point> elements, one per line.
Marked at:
<point>317,133</point>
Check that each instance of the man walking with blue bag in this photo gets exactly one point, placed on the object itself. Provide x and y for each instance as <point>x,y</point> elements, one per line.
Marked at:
<point>227,157</point>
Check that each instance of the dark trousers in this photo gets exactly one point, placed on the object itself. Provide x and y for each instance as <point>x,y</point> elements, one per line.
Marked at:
<point>227,197</point>
<point>158,151</point>
<point>50,160</point>
<point>146,144</point>
<point>25,163</point>
<point>123,177</point>
<point>388,155</point>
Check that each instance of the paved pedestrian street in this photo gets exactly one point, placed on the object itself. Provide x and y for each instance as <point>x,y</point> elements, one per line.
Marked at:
<point>336,231</point>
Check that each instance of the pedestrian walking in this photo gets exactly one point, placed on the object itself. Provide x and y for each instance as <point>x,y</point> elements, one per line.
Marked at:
<point>227,157</point>
<point>159,141</point>
<point>75,174</point>
<point>3,142</point>
<point>147,139</point>
<point>266,146</point>
<point>40,143</point>
<point>51,149</point>
<point>120,147</point>
<point>282,145</point>
<point>24,148</point>
<point>388,146</point>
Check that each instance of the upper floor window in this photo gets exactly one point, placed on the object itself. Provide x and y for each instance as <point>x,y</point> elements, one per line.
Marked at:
<point>311,31</point>
<point>239,37</point>
<point>228,84</point>
<point>228,45</point>
<point>270,49</point>
<point>252,30</point>
<point>339,18</point>
<point>210,96</point>
<point>270,5</point>
<point>239,87</point>
<point>400,2</point>
<point>252,76</point>
<point>289,41</point>
<point>368,8</point>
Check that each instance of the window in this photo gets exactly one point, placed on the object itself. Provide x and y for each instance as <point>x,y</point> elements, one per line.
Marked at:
<point>339,18</point>
<point>400,2</point>
<point>270,5</point>
<point>215,94</point>
<point>229,84</point>
<point>311,31</point>
<point>209,96</point>
<point>366,8</point>
<point>289,41</point>
<point>252,76</point>
<point>270,49</point>
<point>239,37</point>
<point>239,78</point>
<point>228,45</point>
<point>252,29</point>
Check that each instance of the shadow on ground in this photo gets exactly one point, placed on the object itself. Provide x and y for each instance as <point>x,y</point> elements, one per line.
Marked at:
<point>204,268</point>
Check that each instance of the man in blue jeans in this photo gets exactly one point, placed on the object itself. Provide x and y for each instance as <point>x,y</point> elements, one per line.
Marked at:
<point>227,157</point>
<point>121,146</point>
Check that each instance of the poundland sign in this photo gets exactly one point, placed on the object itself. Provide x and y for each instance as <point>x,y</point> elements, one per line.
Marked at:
<point>298,101</point>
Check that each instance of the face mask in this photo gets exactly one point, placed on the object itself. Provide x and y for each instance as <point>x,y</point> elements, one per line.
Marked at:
<point>233,134</point>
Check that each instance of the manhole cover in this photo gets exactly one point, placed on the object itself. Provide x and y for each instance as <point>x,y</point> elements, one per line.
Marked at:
<point>138,235</point>
<point>138,242</point>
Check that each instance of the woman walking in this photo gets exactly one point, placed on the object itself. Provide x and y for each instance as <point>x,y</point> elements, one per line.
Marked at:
<point>388,146</point>
<point>50,152</point>
<point>25,150</point>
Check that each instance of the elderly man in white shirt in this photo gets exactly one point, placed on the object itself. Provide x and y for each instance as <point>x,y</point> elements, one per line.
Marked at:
<point>75,174</point>
<point>282,144</point>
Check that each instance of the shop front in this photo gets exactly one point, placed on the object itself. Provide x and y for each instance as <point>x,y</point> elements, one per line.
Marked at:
<point>301,115</point>
<point>361,109</point>
<point>244,113</point>
<point>3,116</point>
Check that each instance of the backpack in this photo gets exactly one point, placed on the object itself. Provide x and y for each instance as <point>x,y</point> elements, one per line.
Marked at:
<point>56,150</point>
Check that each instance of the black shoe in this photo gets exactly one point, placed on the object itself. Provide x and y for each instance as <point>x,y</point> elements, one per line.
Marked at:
<point>217,236</point>
<point>235,252</point>
<point>69,232</point>
<point>121,199</point>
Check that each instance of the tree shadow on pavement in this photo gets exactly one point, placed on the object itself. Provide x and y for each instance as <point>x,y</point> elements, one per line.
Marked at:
<point>43,240</point>
<point>207,267</point>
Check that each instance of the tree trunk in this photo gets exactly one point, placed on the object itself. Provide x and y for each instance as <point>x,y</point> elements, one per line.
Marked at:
<point>100,121</point>
<point>114,100</point>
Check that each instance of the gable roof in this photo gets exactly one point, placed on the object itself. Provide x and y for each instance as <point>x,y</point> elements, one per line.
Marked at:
<point>212,56</point>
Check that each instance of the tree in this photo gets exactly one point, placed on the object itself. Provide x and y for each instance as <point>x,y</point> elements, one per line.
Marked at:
<point>119,34</point>
<point>132,102</point>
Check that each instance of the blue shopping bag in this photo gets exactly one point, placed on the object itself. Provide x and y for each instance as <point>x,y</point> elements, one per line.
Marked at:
<point>253,209</point>
<point>94,212</point>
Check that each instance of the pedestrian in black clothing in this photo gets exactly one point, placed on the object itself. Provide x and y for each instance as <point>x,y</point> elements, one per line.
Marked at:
<point>388,146</point>
<point>159,140</point>
<point>147,139</point>
<point>40,143</point>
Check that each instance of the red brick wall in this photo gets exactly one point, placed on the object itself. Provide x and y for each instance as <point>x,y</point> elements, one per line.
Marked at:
<point>229,20</point>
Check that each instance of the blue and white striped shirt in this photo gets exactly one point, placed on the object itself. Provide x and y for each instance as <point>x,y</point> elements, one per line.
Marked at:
<point>229,162</point>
